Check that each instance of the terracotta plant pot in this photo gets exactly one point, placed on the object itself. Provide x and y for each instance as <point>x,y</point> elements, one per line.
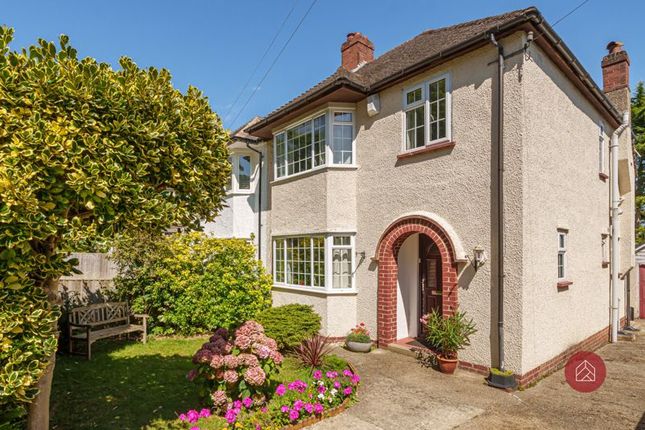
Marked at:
<point>359,346</point>
<point>447,365</point>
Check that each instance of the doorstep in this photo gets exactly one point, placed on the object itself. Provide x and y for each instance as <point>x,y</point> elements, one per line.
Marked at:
<point>404,346</point>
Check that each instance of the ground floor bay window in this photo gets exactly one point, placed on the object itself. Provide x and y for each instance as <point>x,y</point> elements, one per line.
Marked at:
<point>314,262</point>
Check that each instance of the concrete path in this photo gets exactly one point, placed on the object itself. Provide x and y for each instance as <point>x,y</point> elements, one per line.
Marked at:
<point>398,393</point>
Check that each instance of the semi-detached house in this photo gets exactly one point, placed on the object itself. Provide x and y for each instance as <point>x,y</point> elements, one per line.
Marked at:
<point>381,194</point>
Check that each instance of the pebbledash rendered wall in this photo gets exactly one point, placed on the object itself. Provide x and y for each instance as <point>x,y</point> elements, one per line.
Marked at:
<point>564,190</point>
<point>239,216</point>
<point>548,185</point>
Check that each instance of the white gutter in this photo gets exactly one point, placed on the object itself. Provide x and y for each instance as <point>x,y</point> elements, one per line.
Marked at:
<point>615,212</point>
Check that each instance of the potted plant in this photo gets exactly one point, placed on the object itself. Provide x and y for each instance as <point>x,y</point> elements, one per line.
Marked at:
<point>448,335</point>
<point>358,339</point>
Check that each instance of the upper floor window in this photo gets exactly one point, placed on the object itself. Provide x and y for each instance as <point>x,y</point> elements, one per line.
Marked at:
<point>241,174</point>
<point>562,254</point>
<point>305,146</point>
<point>602,150</point>
<point>427,113</point>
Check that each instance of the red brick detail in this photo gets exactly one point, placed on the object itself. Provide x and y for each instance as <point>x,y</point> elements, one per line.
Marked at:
<point>591,343</point>
<point>357,49</point>
<point>387,253</point>
<point>615,68</point>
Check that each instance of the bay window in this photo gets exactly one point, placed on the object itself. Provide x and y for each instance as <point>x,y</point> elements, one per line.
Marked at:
<point>427,113</point>
<point>320,262</point>
<point>324,139</point>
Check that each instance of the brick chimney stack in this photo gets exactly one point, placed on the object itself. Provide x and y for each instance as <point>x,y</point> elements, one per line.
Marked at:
<point>615,76</point>
<point>356,51</point>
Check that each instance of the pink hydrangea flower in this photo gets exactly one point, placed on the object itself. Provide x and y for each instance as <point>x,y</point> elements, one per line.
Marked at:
<point>280,390</point>
<point>231,376</point>
<point>231,361</point>
<point>255,376</point>
<point>243,342</point>
<point>191,375</point>
<point>217,361</point>
<point>317,374</point>
<point>263,351</point>
<point>248,360</point>
<point>276,357</point>
<point>219,398</point>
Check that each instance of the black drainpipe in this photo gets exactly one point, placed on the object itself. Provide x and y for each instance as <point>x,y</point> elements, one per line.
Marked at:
<point>500,200</point>
<point>261,155</point>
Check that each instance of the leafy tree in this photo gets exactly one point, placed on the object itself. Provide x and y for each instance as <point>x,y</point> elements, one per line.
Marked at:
<point>638,127</point>
<point>86,152</point>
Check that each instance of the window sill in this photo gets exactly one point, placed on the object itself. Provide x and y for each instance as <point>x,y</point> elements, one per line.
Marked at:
<point>313,172</point>
<point>426,149</point>
<point>314,290</point>
<point>603,176</point>
<point>240,193</point>
<point>563,285</point>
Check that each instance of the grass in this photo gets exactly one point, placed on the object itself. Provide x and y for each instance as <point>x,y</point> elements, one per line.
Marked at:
<point>128,385</point>
<point>124,386</point>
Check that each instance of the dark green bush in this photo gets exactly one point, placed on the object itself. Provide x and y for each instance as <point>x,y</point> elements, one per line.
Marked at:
<point>190,283</point>
<point>290,324</point>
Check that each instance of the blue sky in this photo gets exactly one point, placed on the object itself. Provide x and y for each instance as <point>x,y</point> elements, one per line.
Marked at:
<point>215,45</point>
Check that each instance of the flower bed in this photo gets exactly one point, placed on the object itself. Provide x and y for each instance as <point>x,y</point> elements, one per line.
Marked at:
<point>294,405</point>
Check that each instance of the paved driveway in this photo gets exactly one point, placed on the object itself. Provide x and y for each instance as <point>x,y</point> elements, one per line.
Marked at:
<point>397,393</point>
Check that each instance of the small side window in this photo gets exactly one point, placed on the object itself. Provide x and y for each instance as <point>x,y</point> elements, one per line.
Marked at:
<point>562,254</point>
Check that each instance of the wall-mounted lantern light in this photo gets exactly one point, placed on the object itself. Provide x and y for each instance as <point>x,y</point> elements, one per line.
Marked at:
<point>479,257</point>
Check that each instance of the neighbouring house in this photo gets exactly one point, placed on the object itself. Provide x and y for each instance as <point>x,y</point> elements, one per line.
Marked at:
<point>244,215</point>
<point>426,179</point>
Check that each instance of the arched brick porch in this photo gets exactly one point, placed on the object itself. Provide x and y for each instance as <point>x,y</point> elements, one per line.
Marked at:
<point>387,253</point>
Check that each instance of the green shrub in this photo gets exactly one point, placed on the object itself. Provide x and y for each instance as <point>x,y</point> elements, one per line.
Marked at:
<point>449,334</point>
<point>290,324</point>
<point>190,283</point>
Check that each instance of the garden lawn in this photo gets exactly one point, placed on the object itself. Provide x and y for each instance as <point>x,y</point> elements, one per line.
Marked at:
<point>128,385</point>
<point>125,385</point>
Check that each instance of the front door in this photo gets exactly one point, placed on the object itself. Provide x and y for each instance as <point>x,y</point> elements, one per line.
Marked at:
<point>429,277</point>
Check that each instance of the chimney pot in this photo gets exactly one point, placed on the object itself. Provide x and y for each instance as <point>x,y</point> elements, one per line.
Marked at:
<point>614,46</point>
<point>356,51</point>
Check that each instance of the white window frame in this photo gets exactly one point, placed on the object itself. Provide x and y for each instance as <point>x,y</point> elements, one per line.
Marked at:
<point>235,164</point>
<point>425,85</point>
<point>562,250</point>
<point>602,149</point>
<point>329,246</point>
<point>329,129</point>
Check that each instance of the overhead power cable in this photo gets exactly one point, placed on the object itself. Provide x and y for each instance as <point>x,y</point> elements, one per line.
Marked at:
<point>257,66</point>
<point>275,60</point>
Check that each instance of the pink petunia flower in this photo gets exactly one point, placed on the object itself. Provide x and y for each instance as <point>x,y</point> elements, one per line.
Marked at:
<point>205,413</point>
<point>183,417</point>
<point>347,373</point>
<point>284,408</point>
<point>317,374</point>
<point>280,390</point>
<point>355,379</point>
<point>318,408</point>
<point>192,416</point>
<point>309,408</point>
<point>347,391</point>
<point>332,374</point>
<point>294,415</point>
<point>337,385</point>
<point>247,402</point>
<point>298,405</point>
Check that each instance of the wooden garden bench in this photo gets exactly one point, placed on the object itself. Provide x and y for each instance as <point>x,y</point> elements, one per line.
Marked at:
<point>100,321</point>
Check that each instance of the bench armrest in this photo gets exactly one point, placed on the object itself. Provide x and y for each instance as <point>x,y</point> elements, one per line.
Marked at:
<point>142,316</point>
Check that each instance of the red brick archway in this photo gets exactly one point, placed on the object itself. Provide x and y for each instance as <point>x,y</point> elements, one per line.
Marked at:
<point>387,253</point>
